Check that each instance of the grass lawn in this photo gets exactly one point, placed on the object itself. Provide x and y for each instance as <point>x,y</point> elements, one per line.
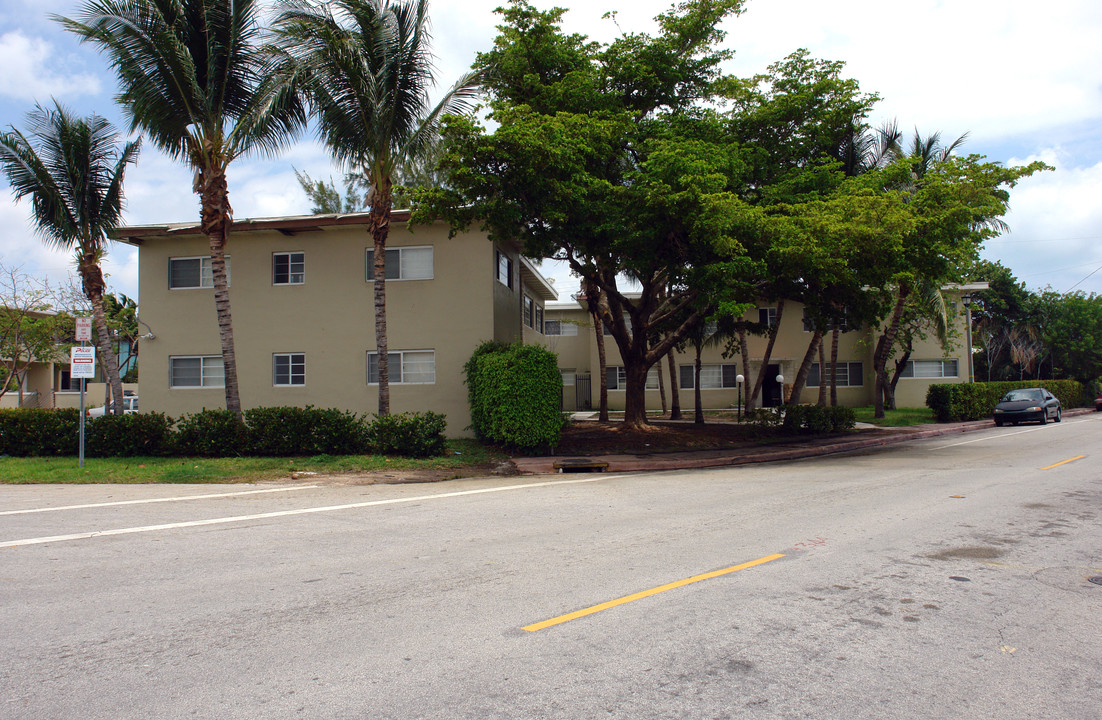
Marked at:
<point>460,454</point>
<point>902,417</point>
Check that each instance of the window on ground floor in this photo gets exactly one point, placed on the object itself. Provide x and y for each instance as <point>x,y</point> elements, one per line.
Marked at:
<point>930,369</point>
<point>618,379</point>
<point>406,367</point>
<point>711,376</point>
<point>196,371</point>
<point>846,374</point>
<point>288,369</point>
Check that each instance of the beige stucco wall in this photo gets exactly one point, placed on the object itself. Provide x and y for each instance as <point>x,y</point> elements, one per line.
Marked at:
<point>330,318</point>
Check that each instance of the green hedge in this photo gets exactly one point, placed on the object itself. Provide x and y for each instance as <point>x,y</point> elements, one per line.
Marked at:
<point>976,401</point>
<point>515,394</point>
<point>817,419</point>
<point>279,431</point>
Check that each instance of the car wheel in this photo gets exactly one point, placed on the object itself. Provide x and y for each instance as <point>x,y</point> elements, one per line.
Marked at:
<point>1059,414</point>
<point>998,423</point>
<point>1044,417</point>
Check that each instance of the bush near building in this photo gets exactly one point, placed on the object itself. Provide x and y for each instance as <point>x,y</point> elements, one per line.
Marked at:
<point>277,431</point>
<point>976,401</point>
<point>515,392</point>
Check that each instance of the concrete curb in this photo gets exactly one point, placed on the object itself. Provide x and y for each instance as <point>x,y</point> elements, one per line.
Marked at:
<point>749,456</point>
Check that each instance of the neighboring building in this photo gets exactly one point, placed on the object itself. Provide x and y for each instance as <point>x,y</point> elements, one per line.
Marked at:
<point>303,314</point>
<point>570,333</point>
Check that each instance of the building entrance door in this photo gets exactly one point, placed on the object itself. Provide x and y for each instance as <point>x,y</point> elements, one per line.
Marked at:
<point>770,388</point>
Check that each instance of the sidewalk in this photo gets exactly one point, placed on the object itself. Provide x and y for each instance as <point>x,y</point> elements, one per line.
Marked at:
<point>784,449</point>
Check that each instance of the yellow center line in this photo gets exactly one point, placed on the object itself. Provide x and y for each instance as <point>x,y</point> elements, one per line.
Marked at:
<point>1064,462</point>
<point>647,593</point>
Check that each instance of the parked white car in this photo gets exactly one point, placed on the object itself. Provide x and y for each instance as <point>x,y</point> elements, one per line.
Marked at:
<point>129,405</point>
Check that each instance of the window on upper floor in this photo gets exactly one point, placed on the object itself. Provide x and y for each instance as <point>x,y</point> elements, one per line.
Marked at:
<point>846,375</point>
<point>288,369</point>
<point>539,320</point>
<point>404,263</point>
<point>288,268</point>
<point>405,367</point>
<point>190,371</point>
<point>504,269</point>
<point>767,316</point>
<point>559,327</point>
<point>843,325</point>
<point>529,311</point>
<point>930,369</point>
<point>193,272</point>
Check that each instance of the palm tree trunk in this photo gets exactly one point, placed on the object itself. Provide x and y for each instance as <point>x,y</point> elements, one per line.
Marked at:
<point>381,199</point>
<point>822,376</point>
<point>216,219</point>
<point>94,285</point>
<point>698,415</point>
<point>884,346</point>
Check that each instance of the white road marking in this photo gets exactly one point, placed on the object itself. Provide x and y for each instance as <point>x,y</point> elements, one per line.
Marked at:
<point>157,500</point>
<point>286,513</point>
<point>1008,434</point>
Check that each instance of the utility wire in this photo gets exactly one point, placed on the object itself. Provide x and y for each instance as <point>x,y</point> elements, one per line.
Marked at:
<point>1092,272</point>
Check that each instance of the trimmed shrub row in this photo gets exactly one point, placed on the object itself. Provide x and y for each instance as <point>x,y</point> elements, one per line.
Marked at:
<point>976,401</point>
<point>515,393</point>
<point>274,431</point>
<point>817,419</point>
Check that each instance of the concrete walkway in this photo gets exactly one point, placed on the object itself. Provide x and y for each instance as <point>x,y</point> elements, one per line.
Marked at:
<point>753,452</point>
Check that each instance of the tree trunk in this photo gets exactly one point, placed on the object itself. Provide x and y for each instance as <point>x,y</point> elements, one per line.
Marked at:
<point>216,220</point>
<point>760,380</point>
<point>744,350</point>
<point>900,366</point>
<point>662,388</point>
<point>833,364</point>
<point>675,393</point>
<point>805,367</point>
<point>883,351</point>
<point>698,416</point>
<point>635,395</point>
<point>379,227</point>
<point>602,413</point>
<point>822,376</point>
<point>94,285</point>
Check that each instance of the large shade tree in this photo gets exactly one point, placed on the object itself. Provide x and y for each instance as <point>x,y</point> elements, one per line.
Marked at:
<point>193,78</point>
<point>366,69</point>
<point>72,169</point>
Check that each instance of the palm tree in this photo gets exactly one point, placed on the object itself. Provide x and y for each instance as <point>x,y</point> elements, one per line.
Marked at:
<point>72,170</point>
<point>193,78</point>
<point>365,68</point>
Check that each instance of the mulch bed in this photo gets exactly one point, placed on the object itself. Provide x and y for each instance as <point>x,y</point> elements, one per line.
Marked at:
<point>590,437</point>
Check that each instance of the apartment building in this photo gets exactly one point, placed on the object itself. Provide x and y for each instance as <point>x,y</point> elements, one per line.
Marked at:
<point>569,331</point>
<point>301,292</point>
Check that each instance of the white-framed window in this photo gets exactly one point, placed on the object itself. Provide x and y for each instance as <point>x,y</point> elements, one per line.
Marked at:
<point>608,325</point>
<point>618,379</point>
<point>288,369</point>
<point>767,316</point>
<point>569,376</point>
<point>930,369</point>
<point>404,263</point>
<point>712,377</point>
<point>185,273</point>
<point>562,328</point>
<point>504,269</point>
<point>288,268</point>
<point>538,326</point>
<point>847,374</point>
<point>406,367</point>
<point>843,325</point>
<point>196,371</point>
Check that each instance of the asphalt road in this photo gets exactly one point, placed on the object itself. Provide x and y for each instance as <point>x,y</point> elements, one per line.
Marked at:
<point>937,579</point>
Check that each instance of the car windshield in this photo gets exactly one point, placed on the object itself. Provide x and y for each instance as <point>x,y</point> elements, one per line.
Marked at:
<point>1022,395</point>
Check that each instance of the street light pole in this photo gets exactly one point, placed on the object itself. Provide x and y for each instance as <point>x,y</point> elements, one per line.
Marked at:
<point>738,381</point>
<point>967,300</point>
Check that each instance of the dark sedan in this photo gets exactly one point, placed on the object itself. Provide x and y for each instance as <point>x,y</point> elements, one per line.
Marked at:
<point>1027,405</point>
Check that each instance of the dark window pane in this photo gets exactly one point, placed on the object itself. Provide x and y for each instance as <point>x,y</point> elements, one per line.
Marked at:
<point>184,273</point>
<point>688,376</point>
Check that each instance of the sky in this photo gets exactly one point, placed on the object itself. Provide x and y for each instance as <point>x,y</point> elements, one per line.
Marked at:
<point>1023,80</point>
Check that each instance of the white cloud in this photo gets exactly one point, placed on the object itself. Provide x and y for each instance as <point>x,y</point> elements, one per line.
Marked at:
<point>30,70</point>
<point>1056,226</point>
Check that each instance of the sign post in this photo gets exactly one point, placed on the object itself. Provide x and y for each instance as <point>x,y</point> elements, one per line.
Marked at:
<point>82,364</point>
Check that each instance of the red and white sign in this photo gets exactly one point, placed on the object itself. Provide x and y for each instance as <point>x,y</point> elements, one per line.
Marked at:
<point>84,329</point>
<point>82,362</point>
